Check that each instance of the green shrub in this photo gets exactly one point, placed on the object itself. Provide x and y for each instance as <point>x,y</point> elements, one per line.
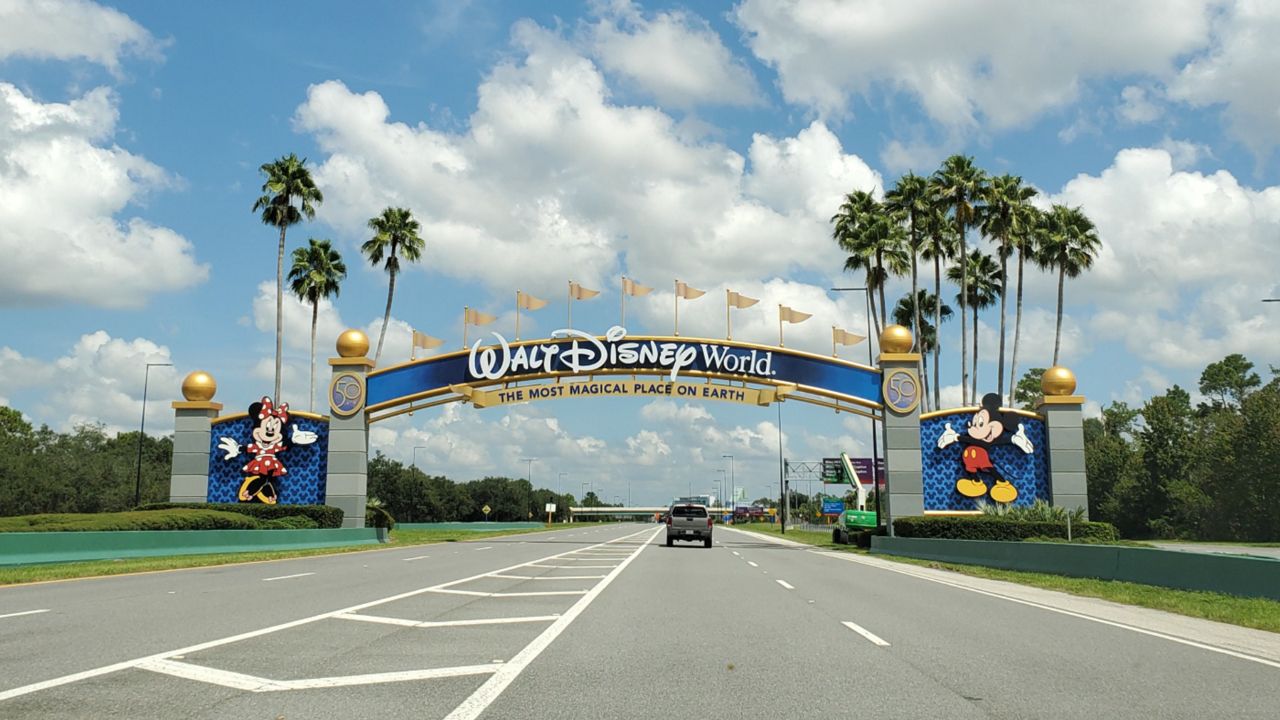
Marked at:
<point>290,522</point>
<point>325,516</point>
<point>375,515</point>
<point>1040,511</point>
<point>988,527</point>
<point>177,519</point>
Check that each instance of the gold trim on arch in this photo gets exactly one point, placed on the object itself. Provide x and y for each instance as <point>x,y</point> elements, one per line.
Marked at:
<point>299,413</point>
<point>971,409</point>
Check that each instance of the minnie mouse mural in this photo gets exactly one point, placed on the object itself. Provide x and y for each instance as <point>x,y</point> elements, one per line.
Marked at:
<point>268,434</point>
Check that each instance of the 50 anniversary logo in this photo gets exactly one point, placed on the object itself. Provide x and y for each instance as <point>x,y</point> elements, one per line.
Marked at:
<point>586,353</point>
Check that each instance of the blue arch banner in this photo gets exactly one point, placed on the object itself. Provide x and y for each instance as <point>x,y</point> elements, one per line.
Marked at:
<point>572,353</point>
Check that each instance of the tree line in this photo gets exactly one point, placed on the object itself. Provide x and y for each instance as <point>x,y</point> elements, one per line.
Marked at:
<point>929,219</point>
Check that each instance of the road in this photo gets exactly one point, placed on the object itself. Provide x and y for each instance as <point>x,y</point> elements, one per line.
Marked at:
<point>607,622</point>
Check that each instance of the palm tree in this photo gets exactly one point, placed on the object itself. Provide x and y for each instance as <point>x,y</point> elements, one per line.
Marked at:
<point>983,283</point>
<point>288,180</point>
<point>1029,226</point>
<point>961,184</point>
<point>1004,197</point>
<point>394,230</point>
<point>1069,246</point>
<point>849,229</point>
<point>907,311</point>
<point>317,272</point>
<point>909,198</point>
<point>939,247</point>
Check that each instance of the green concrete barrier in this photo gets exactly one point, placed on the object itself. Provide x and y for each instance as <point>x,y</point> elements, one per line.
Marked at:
<point>1232,575</point>
<point>30,548</point>
<point>471,526</point>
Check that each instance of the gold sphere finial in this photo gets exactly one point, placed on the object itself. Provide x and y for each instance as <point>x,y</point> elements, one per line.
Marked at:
<point>1058,380</point>
<point>199,386</point>
<point>895,339</point>
<point>353,343</point>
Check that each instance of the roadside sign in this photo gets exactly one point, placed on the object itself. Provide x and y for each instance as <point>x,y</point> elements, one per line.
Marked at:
<point>486,510</point>
<point>551,507</point>
<point>832,507</point>
<point>833,471</point>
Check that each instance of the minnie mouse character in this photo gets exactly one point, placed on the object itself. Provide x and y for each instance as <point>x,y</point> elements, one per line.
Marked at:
<point>268,441</point>
<point>988,428</point>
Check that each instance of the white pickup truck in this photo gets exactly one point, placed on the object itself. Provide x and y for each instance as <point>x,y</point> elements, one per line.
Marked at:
<point>687,521</point>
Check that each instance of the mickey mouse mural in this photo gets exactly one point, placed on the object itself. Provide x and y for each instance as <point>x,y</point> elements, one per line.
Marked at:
<point>989,428</point>
<point>268,440</point>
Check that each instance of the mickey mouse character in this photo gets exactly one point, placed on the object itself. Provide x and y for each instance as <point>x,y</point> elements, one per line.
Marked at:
<point>988,428</point>
<point>268,441</point>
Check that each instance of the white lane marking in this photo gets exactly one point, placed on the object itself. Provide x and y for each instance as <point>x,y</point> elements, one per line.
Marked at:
<point>416,557</point>
<point>240,681</point>
<point>287,577</point>
<point>548,577</point>
<point>445,623</point>
<point>484,548</point>
<point>25,612</point>
<point>126,664</point>
<point>785,584</point>
<point>865,633</point>
<point>752,564</point>
<point>576,567</point>
<point>475,593</point>
<point>493,687</point>
<point>735,552</point>
<point>1082,616</point>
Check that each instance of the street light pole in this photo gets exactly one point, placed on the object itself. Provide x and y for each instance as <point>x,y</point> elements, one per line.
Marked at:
<point>142,428</point>
<point>875,445</point>
<point>782,483</point>
<point>733,482</point>
<point>416,448</point>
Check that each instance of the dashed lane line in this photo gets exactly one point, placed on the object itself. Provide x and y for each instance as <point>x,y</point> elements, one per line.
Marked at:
<point>416,557</point>
<point>865,633</point>
<point>785,584</point>
<point>752,564</point>
<point>287,577</point>
<point>24,612</point>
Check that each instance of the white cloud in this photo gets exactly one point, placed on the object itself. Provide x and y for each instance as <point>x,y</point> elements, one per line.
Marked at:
<point>1185,257</point>
<point>100,380</point>
<point>551,178</point>
<point>997,62</point>
<point>59,233</point>
<point>1185,154</point>
<point>72,29</point>
<point>1136,105</point>
<point>675,57</point>
<point>1239,72</point>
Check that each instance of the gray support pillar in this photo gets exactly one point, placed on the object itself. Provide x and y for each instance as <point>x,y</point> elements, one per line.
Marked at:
<point>346,485</point>
<point>1064,428</point>
<point>901,391</point>
<point>189,474</point>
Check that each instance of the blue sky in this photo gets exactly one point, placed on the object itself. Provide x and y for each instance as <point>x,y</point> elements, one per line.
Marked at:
<point>705,141</point>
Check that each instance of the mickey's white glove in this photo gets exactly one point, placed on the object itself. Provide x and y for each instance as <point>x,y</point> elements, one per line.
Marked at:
<point>1022,441</point>
<point>302,437</point>
<point>948,436</point>
<point>230,447</point>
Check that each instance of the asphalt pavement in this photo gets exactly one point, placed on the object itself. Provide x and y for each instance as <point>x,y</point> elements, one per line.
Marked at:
<point>607,622</point>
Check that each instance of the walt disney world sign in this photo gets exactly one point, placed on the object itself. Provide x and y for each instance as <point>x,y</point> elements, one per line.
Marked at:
<point>572,363</point>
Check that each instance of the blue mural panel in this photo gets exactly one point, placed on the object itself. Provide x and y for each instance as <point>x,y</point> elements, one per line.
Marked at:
<point>307,465</point>
<point>944,467</point>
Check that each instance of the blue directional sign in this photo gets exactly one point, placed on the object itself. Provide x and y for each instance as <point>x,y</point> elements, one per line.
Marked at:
<point>832,507</point>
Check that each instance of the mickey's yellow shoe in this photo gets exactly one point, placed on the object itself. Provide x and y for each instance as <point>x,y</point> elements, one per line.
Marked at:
<point>1003,492</point>
<point>971,488</point>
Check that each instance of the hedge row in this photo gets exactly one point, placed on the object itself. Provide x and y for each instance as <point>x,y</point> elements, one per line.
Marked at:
<point>984,527</point>
<point>324,516</point>
<point>177,519</point>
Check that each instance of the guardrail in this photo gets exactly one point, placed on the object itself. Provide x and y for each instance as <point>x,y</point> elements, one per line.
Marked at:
<point>31,548</point>
<point>1232,575</point>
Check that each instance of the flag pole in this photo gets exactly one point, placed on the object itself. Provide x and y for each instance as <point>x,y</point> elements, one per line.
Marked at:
<point>833,341</point>
<point>624,301</point>
<point>464,326</point>
<point>570,304</point>
<point>780,327</point>
<point>517,315</point>
<point>677,299</point>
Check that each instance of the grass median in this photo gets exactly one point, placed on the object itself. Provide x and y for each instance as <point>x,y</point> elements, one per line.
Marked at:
<point>123,566</point>
<point>1258,613</point>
